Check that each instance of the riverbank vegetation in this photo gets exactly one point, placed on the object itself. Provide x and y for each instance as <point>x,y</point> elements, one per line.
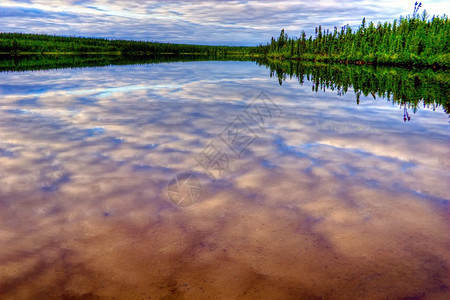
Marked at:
<point>412,41</point>
<point>23,44</point>
<point>418,41</point>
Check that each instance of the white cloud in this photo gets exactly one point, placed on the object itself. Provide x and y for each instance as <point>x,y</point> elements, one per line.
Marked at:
<point>211,22</point>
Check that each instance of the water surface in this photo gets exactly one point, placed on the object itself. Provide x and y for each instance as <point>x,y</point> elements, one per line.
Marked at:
<point>324,195</point>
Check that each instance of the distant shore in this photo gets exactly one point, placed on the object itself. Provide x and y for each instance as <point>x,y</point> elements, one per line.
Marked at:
<point>417,41</point>
<point>410,43</point>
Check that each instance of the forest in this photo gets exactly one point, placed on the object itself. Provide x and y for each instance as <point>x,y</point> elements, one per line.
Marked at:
<point>410,41</point>
<point>20,43</point>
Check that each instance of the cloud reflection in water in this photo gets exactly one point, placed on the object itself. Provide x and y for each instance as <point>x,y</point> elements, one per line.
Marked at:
<point>335,203</point>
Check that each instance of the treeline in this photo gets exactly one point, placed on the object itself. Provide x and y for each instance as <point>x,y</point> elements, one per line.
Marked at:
<point>410,41</point>
<point>17,43</point>
<point>407,88</point>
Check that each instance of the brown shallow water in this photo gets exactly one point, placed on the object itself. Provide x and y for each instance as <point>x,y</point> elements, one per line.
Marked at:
<point>330,200</point>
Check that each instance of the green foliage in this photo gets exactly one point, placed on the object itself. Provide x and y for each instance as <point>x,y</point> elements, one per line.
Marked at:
<point>413,41</point>
<point>17,43</point>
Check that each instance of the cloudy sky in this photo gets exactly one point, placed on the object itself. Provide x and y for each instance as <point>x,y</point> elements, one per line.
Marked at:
<point>219,22</point>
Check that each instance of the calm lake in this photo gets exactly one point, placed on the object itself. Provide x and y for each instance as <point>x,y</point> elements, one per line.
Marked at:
<point>210,180</point>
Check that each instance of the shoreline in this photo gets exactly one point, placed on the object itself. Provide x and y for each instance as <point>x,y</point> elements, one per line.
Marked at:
<point>410,64</point>
<point>269,57</point>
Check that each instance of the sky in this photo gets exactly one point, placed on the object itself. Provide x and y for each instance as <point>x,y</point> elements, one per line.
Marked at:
<point>220,22</point>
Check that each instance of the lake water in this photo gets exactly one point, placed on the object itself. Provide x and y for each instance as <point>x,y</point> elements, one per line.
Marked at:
<point>210,180</point>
